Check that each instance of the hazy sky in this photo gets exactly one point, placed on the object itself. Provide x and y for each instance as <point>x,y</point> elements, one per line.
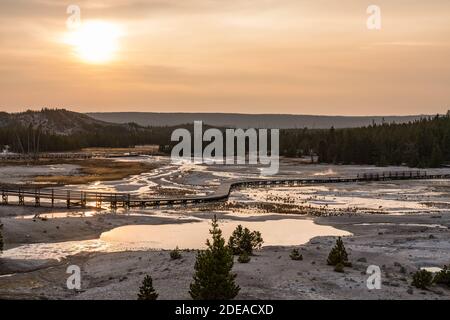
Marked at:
<point>251,56</point>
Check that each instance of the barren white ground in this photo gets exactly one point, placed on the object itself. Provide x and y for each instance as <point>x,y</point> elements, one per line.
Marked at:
<point>400,226</point>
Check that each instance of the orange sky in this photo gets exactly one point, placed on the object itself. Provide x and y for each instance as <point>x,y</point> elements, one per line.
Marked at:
<point>250,56</point>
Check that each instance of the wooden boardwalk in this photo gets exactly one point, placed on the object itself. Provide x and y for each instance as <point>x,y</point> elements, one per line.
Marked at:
<point>72,198</point>
<point>69,155</point>
<point>31,156</point>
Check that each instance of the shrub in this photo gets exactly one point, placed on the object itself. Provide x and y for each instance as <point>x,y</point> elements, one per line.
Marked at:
<point>213,279</point>
<point>338,255</point>
<point>443,276</point>
<point>295,255</point>
<point>244,258</point>
<point>422,279</point>
<point>175,254</point>
<point>339,267</point>
<point>146,291</point>
<point>242,240</point>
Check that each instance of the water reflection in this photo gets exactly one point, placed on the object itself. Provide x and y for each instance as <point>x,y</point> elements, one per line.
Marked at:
<point>192,235</point>
<point>283,232</point>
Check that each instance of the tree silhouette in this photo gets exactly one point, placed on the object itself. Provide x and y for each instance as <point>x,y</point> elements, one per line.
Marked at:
<point>146,291</point>
<point>213,279</point>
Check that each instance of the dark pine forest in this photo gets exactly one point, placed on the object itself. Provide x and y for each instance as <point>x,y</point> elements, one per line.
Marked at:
<point>423,143</point>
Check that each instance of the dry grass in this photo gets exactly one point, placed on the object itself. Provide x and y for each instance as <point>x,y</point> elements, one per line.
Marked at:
<point>98,170</point>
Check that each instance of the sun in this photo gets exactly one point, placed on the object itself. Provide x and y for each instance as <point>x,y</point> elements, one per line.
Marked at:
<point>95,41</point>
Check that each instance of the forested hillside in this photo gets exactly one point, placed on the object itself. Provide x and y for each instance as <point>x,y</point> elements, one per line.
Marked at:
<point>422,143</point>
<point>62,130</point>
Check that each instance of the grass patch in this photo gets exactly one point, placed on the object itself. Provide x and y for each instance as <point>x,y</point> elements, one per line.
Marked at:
<point>98,170</point>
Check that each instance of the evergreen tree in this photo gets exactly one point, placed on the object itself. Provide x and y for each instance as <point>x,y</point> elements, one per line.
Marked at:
<point>244,241</point>
<point>338,255</point>
<point>175,254</point>
<point>146,291</point>
<point>295,255</point>
<point>437,157</point>
<point>443,276</point>
<point>339,268</point>
<point>244,258</point>
<point>422,279</point>
<point>213,279</point>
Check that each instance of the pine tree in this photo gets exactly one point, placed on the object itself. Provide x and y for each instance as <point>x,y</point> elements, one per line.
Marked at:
<point>244,258</point>
<point>295,255</point>
<point>443,276</point>
<point>146,291</point>
<point>244,241</point>
<point>213,279</point>
<point>175,254</point>
<point>436,157</point>
<point>422,279</point>
<point>338,255</point>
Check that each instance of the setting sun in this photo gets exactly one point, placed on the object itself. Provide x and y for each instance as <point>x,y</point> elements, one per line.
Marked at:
<point>95,41</point>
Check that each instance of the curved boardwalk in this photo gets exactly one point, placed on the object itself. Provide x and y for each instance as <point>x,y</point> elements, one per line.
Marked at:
<point>80,198</point>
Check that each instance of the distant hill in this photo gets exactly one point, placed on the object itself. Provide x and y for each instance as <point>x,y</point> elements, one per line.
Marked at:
<point>235,120</point>
<point>55,121</point>
<point>63,130</point>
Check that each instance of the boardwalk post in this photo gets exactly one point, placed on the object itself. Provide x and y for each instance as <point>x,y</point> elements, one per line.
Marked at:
<point>128,204</point>
<point>21,198</point>
<point>37,199</point>
<point>4,197</point>
<point>113,201</point>
<point>83,199</point>
<point>53,198</point>
<point>68,199</point>
<point>98,201</point>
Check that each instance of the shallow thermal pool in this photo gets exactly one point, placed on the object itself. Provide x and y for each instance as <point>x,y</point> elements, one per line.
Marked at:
<point>192,235</point>
<point>283,232</point>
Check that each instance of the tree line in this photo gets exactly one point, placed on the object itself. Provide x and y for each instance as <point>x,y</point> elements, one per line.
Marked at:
<point>422,143</point>
<point>29,139</point>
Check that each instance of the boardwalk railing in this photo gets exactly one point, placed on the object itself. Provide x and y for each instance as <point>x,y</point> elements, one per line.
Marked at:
<point>69,155</point>
<point>74,198</point>
<point>31,156</point>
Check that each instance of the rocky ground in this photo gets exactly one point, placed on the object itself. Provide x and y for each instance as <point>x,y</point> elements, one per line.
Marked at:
<point>399,245</point>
